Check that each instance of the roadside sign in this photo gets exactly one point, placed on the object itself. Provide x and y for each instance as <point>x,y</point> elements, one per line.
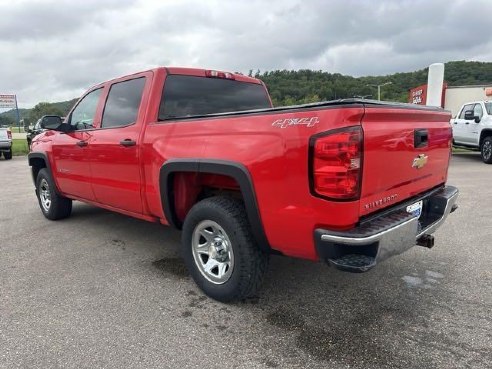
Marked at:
<point>8,102</point>
<point>418,95</point>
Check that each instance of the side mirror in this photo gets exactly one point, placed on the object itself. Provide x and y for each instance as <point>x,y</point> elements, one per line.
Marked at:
<point>55,123</point>
<point>52,122</point>
<point>469,115</point>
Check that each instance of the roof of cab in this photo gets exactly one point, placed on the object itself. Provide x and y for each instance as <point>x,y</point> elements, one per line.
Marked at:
<point>199,72</point>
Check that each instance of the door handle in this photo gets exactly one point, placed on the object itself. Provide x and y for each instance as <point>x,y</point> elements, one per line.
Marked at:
<point>82,143</point>
<point>127,142</point>
<point>467,122</point>
<point>420,138</point>
<point>455,122</point>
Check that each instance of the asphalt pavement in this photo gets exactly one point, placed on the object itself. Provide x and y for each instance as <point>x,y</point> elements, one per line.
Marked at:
<point>102,290</point>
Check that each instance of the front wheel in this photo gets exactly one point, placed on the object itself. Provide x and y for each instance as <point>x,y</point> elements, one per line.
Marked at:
<point>53,205</point>
<point>220,251</point>
<point>486,150</point>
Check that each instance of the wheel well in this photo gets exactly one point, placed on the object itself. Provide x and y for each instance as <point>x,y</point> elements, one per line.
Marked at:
<point>189,188</point>
<point>483,134</point>
<point>36,165</point>
<point>183,182</point>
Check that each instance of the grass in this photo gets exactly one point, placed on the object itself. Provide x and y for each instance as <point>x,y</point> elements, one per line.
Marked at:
<point>19,147</point>
<point>461,149</point>
<point>17,129</point>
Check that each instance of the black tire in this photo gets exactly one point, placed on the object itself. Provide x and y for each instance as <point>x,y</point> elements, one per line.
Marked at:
<point>249,262</point>
<point>486,150</point>
<point>59,207</point>
<point>7,154</point>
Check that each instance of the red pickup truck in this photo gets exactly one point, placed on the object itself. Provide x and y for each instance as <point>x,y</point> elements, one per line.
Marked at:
<point>350,182</point>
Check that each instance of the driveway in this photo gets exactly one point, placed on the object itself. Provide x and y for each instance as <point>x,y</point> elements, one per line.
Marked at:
<point>101,290</point>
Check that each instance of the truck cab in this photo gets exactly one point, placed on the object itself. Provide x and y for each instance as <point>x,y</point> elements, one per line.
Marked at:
<point>472,128</point>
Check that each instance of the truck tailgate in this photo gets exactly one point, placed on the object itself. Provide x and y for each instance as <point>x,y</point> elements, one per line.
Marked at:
<point>3,134</point>
<point>406,152</point>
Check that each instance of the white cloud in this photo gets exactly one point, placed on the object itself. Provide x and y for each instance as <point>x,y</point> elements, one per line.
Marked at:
<point>54,50</point>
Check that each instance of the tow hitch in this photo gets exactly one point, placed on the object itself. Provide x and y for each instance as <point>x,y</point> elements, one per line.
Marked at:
<point>427,240</point>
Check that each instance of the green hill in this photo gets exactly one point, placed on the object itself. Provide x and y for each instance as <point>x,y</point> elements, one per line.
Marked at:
<point>32,115</point>
<point>304,86</point>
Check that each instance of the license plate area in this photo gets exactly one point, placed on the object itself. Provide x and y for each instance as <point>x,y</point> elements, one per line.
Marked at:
<point>415,209</point>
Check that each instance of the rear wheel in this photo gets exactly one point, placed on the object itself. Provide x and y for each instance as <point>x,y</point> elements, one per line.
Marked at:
<point>220,251</point>
<point>7,154</point>
<point>53,205</point>
<point>486,150</point>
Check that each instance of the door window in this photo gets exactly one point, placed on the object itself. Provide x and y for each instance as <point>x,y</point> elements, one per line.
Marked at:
<point>82,116</point>
<point>123,103</point>
<point>478,111</point>
<point>465,108</point>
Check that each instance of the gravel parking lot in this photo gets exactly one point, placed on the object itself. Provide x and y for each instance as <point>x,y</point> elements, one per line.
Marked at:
<point>101,290</point>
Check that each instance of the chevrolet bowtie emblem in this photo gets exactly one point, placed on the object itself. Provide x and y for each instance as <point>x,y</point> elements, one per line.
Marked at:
<point>420,161</point>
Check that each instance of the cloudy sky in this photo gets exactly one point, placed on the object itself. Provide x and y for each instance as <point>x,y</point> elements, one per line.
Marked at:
<point>55,50</point>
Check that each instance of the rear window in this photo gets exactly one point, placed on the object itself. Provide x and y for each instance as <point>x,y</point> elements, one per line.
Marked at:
<point>190,95</point>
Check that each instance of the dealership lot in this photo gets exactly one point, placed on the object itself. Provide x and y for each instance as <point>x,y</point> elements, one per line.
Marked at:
<point>103,290</point>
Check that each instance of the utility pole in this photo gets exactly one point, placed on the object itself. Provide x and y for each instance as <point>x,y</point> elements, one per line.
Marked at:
<point>17,110</point>
<point>379,88</point>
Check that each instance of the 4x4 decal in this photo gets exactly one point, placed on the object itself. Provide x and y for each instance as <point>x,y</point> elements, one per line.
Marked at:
<point>287,122</point>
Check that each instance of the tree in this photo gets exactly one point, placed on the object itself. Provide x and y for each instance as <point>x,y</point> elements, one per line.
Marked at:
<point>5,120</point>
<point>43,108</point>
<point>297,87</point>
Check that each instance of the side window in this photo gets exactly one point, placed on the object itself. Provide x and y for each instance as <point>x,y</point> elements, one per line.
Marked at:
<point>123,103</point>
<point>465,108</point>
<point>83,115</point>
<point>478,111</point>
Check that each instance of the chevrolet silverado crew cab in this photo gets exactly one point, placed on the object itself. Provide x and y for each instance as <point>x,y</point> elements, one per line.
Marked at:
<point>6,143</point>
<point>350,182</point>
<point>472,128</point>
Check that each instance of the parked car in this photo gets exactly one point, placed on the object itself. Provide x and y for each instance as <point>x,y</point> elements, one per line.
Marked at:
<point>204,151</point>
<point>39,127</point>
<point>6,143</point>
<point>472,128</point>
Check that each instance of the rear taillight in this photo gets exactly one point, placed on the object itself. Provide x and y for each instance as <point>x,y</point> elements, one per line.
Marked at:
<point>9,135</point>
<point>336,164</point>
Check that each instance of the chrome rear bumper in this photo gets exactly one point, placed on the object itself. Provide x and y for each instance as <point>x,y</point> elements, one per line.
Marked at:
<point>361,248</point>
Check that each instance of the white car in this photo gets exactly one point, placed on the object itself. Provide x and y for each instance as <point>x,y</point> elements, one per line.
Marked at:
<point>472,128</point>
<point>6,143</point>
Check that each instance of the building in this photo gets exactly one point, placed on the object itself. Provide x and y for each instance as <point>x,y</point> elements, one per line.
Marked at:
<point>453,97</point>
